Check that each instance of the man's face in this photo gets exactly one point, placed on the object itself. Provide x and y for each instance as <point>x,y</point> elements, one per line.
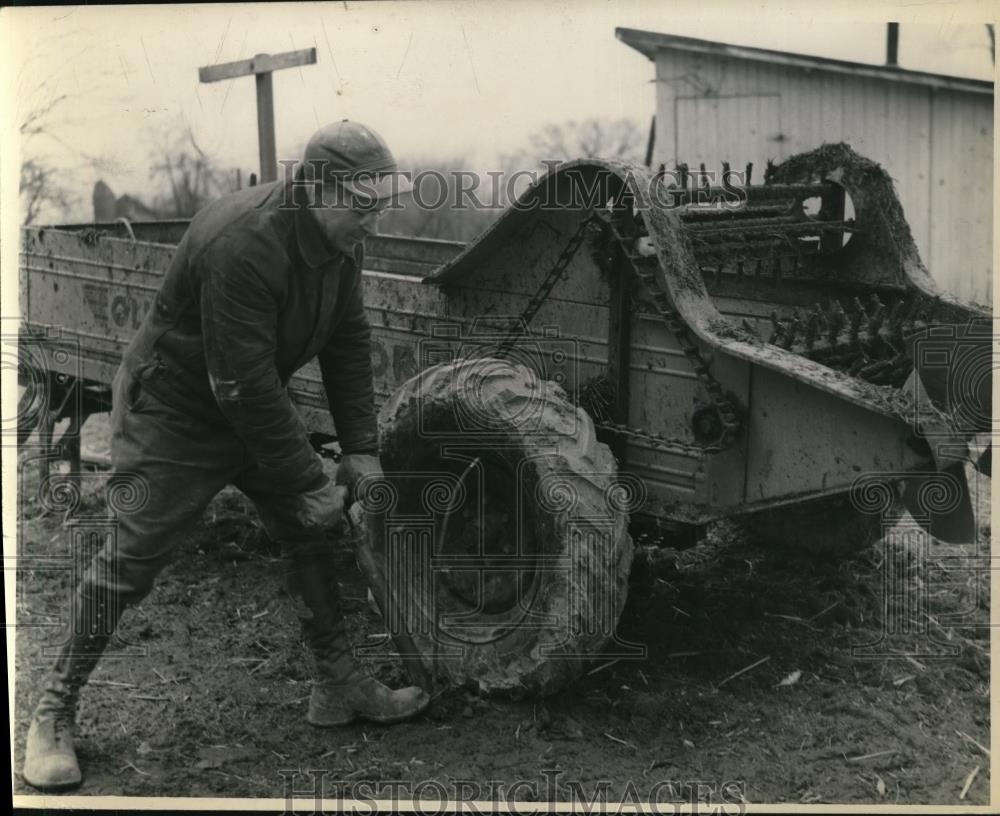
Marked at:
<point>347,219</point>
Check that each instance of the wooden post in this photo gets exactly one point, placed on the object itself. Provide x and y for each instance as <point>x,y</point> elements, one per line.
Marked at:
<point>651,142</point>
<point>261,67</point>
<point>265,127</point>
<point>892,45</point>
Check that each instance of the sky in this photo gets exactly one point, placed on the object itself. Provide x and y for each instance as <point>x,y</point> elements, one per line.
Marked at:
<point>465,80</point>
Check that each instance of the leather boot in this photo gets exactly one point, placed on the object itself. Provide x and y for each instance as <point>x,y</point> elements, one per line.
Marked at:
<point>347,693</point>
<point>344,692</point>
<point>50,758</point>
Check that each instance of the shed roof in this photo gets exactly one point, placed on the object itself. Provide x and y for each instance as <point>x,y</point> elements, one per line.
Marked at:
<point>649,42</point>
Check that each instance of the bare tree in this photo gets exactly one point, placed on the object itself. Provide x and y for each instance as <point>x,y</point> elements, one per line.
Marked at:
<point>42,187</point>
<point>47,117</point>
<point>188,177</point>
<point>620,139</point>
<point>439,208</point>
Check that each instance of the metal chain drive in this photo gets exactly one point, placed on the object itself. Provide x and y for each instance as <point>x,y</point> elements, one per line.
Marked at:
<point>643,268</point>
<point>554,275</point>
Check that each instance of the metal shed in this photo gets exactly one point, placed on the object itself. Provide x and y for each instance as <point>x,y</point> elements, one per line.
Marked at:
<point>932,133</point>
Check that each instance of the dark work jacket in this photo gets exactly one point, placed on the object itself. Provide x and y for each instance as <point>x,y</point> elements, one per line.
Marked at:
<point>253,293</point>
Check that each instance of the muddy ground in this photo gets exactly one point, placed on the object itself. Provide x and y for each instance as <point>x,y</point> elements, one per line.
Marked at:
<point>754,684</point>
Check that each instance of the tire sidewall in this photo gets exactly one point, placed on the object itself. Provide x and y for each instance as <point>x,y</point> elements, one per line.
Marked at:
<point>563,479</point>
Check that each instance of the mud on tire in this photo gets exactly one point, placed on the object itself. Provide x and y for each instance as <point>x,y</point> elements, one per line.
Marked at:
<point>503,526</point>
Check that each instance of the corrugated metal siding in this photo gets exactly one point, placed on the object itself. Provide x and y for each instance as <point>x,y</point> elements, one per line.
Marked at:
<point>961,193</point>
<point>715,139</point>
<point>937,145</point>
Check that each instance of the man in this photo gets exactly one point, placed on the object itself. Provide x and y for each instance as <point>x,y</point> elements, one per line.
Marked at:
<point>263,281</point>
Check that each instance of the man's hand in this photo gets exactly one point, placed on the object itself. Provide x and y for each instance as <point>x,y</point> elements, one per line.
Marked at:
<point>322,508</point>
<point>356,465</point>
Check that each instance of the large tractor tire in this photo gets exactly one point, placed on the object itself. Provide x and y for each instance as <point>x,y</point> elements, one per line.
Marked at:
<point>502,525</point>
<point>830,528</point>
